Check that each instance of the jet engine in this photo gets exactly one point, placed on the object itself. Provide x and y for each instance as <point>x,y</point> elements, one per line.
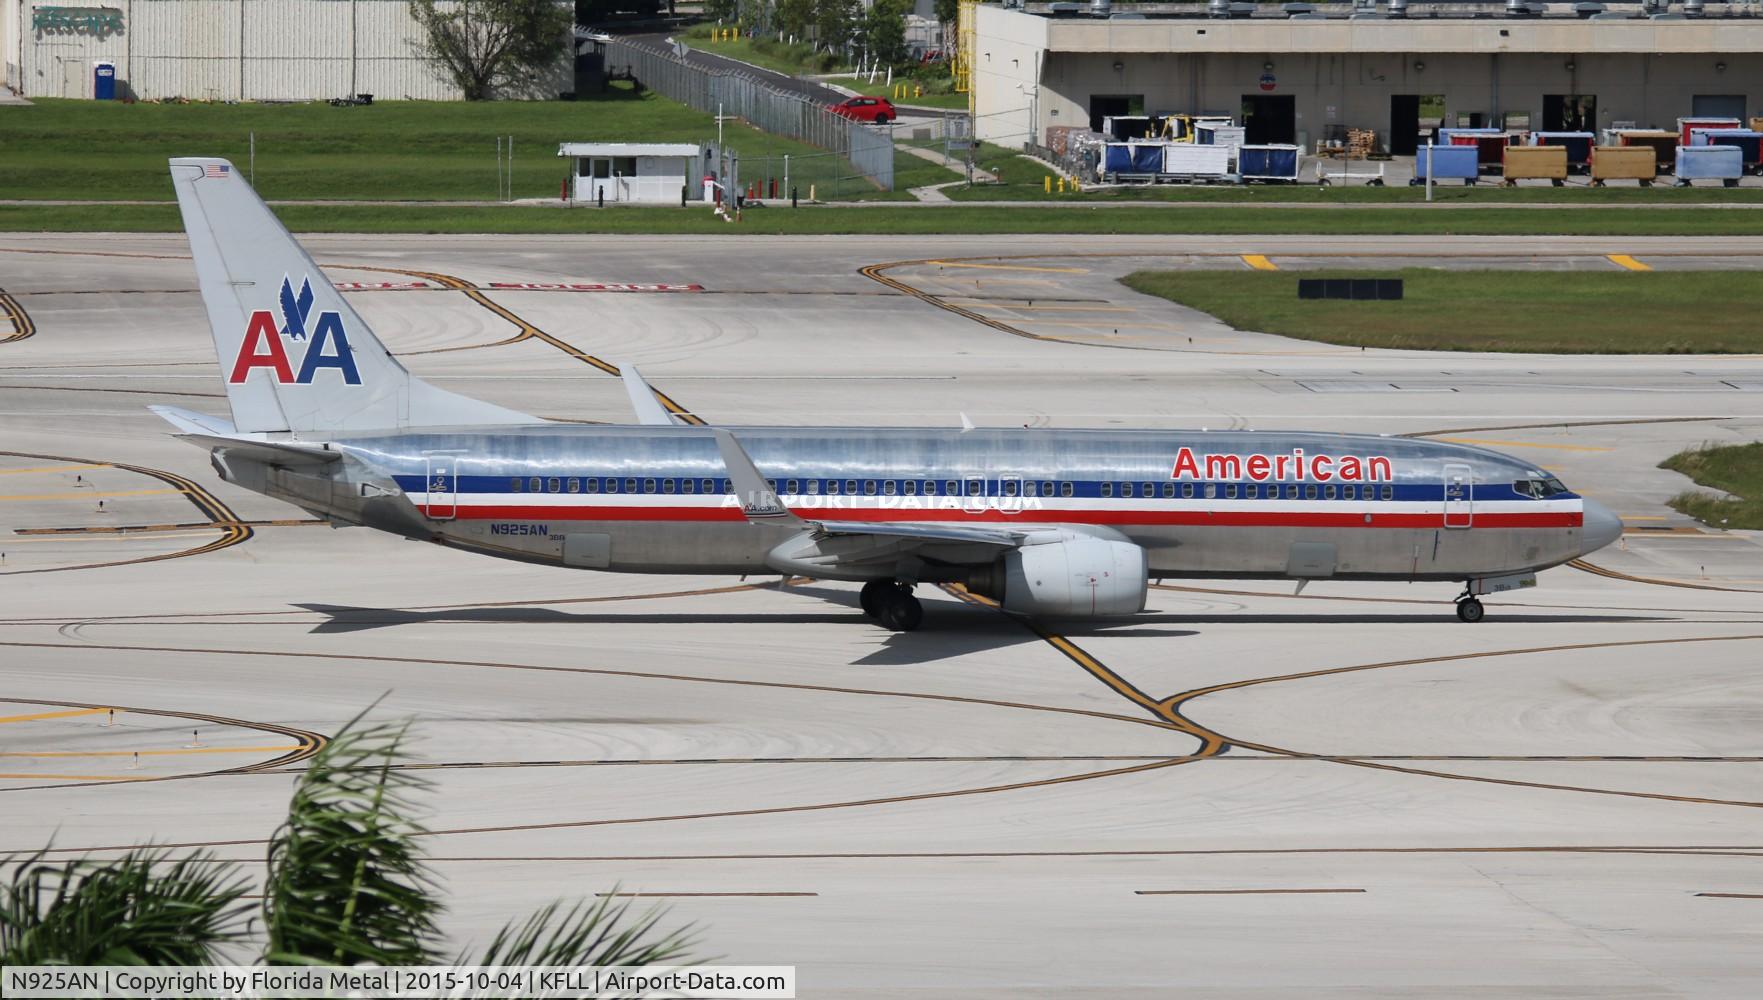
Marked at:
<point>1077,575</point>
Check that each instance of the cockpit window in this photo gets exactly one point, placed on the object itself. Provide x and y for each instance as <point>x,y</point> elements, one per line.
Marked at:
<point>1540,489</point>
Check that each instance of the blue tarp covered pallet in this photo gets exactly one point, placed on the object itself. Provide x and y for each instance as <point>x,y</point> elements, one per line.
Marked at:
<point>1749,143</point>
<point>1721,163</point>
<point>1447,163</point>
<point>1267,163</point>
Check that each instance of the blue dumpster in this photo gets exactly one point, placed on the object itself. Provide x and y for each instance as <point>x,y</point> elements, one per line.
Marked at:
<point>104,80</point>
<point>1447,163</point>
<point>1721,163</point>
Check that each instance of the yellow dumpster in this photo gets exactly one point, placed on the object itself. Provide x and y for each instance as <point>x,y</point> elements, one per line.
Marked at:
<point>1634,163</point>
<point>1547,163</point>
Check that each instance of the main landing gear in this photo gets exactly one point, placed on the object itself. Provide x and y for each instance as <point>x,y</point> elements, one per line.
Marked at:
<point>1468,608</point>
<point>892,605</point>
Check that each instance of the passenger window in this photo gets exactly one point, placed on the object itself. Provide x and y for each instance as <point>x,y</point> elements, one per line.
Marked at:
<point>1252,491</point>
<point>1169,491</point>
<point>1187,491</point>
<point>1066,489</point>
<point>1010,487</point>
<point>930,487</point>
<point>910,487</point>
<point>887,487</point>
<point>1107,489</point>
<point>951,488</point>
<point>1211,491</point>
<point>553,486</point>
<point>708,486</point>
<point>771,484</point>
<point>575,486</point>
<point>591,485</point>
<point>534,485</point>
<point>976,487</point>
<point>1046,487</point>
<point>630,485</point>
<point>514,485</point>
<point>1328,492</point>
<point>1389,492</point>
<point>793,487</point>
<point>1349,492</point>
<point>667,486</point>
<point>1292,491</point>
<point>648,486</point>
<point>1230,491</point>
<point>612,486</point>
<point>688,486</point>
<point>832,487</point>
<point>869,487</point>
<point>1309,491</point>
<point>813,487</point>
<point>851,487</point>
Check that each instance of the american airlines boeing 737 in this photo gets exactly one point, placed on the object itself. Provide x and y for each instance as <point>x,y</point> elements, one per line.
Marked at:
<point>1057,523</point>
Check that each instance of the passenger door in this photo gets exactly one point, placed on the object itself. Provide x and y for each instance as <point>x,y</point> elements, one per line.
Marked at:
<point>441,483</point>
<point>1459,496</point>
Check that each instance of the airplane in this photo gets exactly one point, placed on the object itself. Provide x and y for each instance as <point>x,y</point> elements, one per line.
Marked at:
<point>1046,523</point>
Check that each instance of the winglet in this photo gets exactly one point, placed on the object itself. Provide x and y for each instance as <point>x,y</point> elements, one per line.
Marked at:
<point>649,409</point>
<point>759,501</point>
<point>966,424</point>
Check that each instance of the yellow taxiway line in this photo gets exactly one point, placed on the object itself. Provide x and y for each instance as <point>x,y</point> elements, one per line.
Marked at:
<point>144,753</point>
<point>66,714</point>
<point>84,495</point>
<point>1625,261</point>
<point>1259,262</point>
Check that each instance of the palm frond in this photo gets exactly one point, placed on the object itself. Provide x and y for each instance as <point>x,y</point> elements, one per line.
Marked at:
<point>346,882</point>
<point>140,909</point>
<point>602,932</point>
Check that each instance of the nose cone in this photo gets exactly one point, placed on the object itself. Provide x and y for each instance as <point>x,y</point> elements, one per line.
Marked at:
<point>1601,528</point>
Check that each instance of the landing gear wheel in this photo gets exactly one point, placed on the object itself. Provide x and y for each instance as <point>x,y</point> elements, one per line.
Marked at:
<point>1470,610</point>
<point>898,610</point>
<point>873,594</point>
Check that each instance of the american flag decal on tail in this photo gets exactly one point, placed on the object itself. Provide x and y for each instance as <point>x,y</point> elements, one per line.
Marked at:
<point>216,170</point>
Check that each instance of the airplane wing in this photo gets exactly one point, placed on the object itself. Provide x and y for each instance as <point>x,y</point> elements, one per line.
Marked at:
<point>649,409</point>
<point>829,544</point>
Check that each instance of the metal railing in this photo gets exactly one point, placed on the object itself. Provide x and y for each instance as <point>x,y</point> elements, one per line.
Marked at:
<point>868,149</point>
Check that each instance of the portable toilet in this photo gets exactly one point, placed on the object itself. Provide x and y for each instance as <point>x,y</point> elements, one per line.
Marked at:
<point>104,80</point>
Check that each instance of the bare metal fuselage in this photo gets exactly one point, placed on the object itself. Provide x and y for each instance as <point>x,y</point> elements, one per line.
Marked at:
<point>655,499</point>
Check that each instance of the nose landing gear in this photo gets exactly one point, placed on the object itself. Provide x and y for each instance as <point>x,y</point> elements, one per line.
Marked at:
<point>1470,610</point>
<point>892,605</point>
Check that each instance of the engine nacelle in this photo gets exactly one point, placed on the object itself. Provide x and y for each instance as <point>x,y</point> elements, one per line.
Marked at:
<point>1078,576</point>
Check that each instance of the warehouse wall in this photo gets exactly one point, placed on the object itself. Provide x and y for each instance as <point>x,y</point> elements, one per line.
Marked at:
<point>1355,89</point>
<point>244,50</point>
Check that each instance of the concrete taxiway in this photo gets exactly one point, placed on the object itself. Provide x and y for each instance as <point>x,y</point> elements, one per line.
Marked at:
<point>1243,792</point>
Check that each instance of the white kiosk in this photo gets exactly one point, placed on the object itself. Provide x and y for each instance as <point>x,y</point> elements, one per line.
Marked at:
<point>641,172</point>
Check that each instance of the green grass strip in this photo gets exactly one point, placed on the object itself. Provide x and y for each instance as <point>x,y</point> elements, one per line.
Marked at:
<point>1552,312</point>
<point>1734,469</point>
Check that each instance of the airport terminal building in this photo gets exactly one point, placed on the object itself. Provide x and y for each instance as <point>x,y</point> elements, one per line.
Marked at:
<point>1293,76</point>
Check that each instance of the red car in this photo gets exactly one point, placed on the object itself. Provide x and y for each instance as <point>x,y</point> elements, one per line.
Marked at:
<point>867,109</point>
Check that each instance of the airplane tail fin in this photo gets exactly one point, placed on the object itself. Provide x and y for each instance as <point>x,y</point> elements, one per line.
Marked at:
<point>295,356</point>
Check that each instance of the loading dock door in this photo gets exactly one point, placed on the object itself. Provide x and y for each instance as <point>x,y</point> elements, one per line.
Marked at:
<point>1113,105</point>
<point>1270,118</point>
<point>1570,113</point>
<point>1718,106</point>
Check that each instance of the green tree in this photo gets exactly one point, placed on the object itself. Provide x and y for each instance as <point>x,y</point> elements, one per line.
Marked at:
<point>884,31</point>
<point>947,11</point>
<point>720,11</point>
<point>835,22</point>
<point>483,44</point>
<point>794,17</point>
<point>346,884</point>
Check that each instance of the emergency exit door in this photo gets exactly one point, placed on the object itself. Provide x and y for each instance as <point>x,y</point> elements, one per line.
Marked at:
<point>1459,496</point>
<point>442,486</point>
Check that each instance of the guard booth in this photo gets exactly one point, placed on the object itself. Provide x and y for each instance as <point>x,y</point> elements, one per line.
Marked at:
<point>636,172</point>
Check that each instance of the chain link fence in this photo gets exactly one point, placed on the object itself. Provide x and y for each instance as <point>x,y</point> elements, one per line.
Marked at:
<point>858,153</point>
